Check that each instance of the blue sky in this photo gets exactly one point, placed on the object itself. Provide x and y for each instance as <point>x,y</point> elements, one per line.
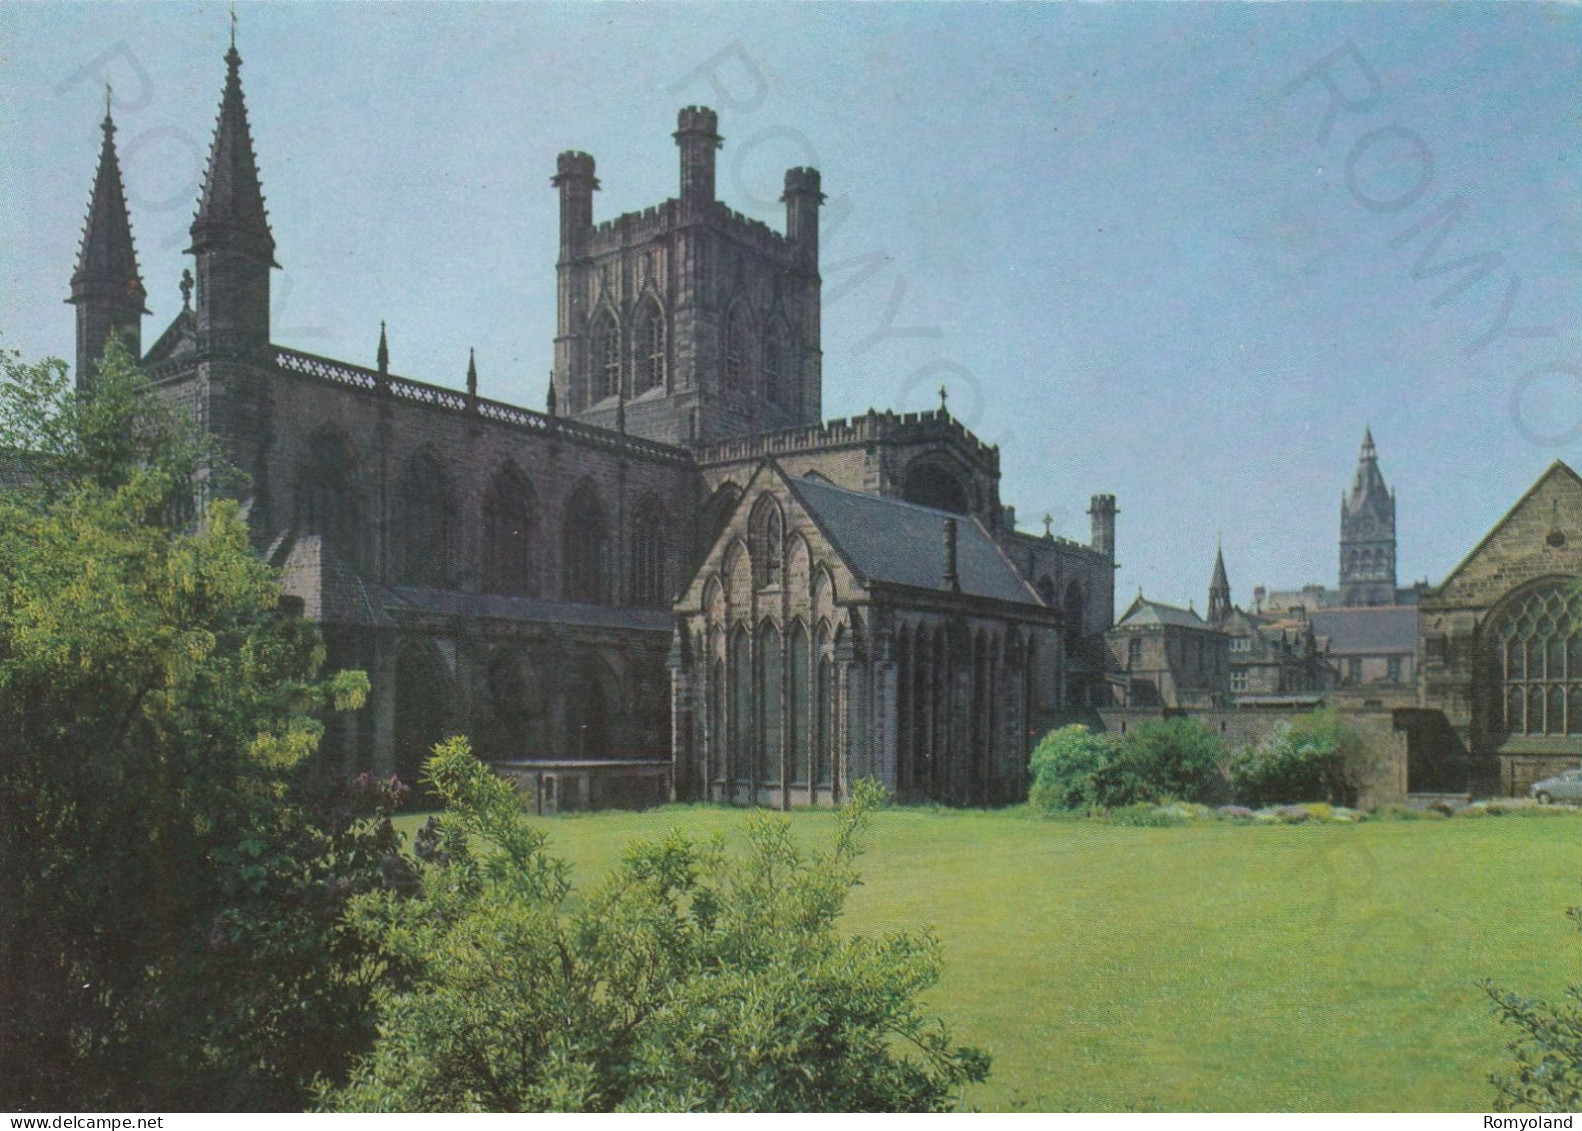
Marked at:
<point>1112,230</point>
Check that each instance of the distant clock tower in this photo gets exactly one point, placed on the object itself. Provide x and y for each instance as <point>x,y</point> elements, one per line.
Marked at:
<point>1367,535</point>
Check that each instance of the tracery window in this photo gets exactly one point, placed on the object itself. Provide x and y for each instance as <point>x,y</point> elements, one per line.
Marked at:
<point>766,542</point>
<point>509,564</point>
<point>648,555</point>
<point>1538,662</point>
<point>606,357</point>
<point>585,557</point>
<point>650,348</point>
<point>424,524</point>
<point>736,364</point>
<point>774,367</point>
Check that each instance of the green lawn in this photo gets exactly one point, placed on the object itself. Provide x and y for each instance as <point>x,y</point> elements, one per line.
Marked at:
<point>1300,968</point>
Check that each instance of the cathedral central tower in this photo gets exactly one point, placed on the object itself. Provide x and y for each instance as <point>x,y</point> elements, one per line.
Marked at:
<point>687,322</point>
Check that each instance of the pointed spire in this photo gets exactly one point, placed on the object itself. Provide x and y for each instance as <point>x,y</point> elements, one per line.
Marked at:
<point>231,208</point>
<point>1368,487</point>
<point>1219,605</point>
<point>107,259</point>
<point>382,358</point>
<point>549,401</point>
<point>472,375</point>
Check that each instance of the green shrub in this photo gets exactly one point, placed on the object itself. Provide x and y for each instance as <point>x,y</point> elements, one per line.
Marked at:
<point>1071,769</point>
<point>693,979</point>
<point>1176,758</point>
<point>1303,761</point>
<point>1171,760</point>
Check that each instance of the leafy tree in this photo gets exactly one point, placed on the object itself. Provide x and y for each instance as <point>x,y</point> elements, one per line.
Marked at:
<point>1547,1075</point>
<point>1306,760</point>
<point>170,892</point>
<point>692,979</point>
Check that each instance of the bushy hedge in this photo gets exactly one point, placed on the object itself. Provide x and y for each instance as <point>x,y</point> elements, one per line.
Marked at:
<point>1178,759</point>
<point>1306,760</point>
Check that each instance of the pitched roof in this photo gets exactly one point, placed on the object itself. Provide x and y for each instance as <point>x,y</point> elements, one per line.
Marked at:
<point>496,606</point>
<point>1146,614</point>
<point>886,540</point>
<point>331,592</point>
<point>1387,628</point>
<point>1558,468</point>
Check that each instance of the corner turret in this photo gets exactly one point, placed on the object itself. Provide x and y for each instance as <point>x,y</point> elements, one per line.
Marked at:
<point>106,288</point>
<point>697,134</point>
<point>230,233</point>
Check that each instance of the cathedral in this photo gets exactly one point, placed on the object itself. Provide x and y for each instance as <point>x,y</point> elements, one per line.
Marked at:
<point>678,565</point>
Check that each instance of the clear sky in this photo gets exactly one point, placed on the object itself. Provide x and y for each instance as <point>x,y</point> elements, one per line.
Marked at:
<point>1121,234</point>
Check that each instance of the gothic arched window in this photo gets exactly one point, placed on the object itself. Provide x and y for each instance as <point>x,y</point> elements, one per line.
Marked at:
<point>775,388</point>
<point>585,548</point>
<point>771,664</point>
<point>606,357</point>
<point>766,542</point>
<point>648,555</point>
<point>741,706</point>
<point>509,533</point>
<point>930,484</point>
<point>1072,612</point>
<point>737,363</point>
<point>1537,646</point>
<point>327,502</point>
<point>797,718</point>
<point>650,348</point>
<point>423,524</point>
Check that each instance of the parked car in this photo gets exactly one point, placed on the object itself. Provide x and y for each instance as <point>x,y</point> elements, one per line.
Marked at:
<point>1561,787</point>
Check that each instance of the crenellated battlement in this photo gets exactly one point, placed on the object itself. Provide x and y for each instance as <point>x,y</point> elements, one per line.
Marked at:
<point>633,228</point>
<point>872,428</point>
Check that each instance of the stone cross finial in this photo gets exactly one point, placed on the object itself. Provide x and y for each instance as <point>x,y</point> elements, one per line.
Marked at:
<point>1049,522</point>
<point>186,289</point>
<point>944,396</point>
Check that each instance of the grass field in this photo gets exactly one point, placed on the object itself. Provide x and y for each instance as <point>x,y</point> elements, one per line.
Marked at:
<point>1232,968</point>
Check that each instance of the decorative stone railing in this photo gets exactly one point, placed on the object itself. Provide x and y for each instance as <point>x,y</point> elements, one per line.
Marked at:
<point>450,400</point>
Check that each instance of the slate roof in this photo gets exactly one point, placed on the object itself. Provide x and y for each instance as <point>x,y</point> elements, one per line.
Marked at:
<point>497,606</point>
<point>330,590</point>
<point>887,540</point>
<point>1387,628</point>
<point>1147,614</point>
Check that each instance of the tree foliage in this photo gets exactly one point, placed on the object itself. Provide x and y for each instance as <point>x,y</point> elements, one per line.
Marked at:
<point>171,886</point>
<point>1547,1073</point>
<point>1074,768</point>
<point>1306,760</point>
<point>691,979</point>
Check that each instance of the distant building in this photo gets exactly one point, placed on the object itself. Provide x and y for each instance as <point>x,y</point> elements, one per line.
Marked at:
<point>1166,656</point>
<point>1370,646</point>
<point>1367,625</point>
